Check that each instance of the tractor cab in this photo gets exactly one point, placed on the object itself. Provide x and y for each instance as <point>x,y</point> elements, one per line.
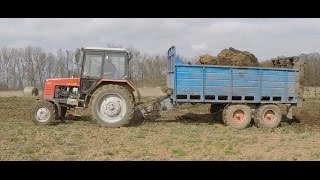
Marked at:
<point>101,63</point>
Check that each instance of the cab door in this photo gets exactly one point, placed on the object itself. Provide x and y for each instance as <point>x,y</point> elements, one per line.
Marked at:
<point>92,71</point>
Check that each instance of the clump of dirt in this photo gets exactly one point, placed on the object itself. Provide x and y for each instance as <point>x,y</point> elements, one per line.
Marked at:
<point>309,113</point>
<point>230,57</point>
<point>208,59</point>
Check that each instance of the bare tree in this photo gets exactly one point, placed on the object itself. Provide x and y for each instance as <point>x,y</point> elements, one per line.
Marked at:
<point>7,55</point>
<point>30,67</point>
<point>40,62</point>
<point>19,67</point>
<point>50,66</point>
<point>61,63</point>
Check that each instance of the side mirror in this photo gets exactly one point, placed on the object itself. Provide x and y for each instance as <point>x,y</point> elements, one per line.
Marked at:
<point>79,56</point>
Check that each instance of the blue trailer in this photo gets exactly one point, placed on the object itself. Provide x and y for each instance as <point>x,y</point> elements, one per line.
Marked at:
<point>239,93</point>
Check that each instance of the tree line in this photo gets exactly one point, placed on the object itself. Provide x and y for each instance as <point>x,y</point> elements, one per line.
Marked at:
<point>30,66</point>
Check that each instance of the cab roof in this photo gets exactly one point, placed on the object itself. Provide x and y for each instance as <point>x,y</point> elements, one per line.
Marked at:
<point>105,49</point>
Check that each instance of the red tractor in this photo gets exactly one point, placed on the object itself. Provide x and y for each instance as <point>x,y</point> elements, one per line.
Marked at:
<point>104,86</point>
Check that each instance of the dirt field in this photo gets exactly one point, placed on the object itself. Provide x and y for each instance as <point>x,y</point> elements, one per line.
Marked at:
<point>187,133</point>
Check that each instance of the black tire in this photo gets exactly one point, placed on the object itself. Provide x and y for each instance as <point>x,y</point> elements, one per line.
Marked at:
<point>126,100</point>
<point>241,119</point>
<point>133,98</point>
<point>63,112</point>
<point>272,121</point>
<point>216,110</point>
<point>41,108</point>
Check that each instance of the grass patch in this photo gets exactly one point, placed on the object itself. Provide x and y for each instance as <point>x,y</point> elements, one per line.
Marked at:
<point>14,139</point>
<point>141,135</point>
<point>219,145</point>
<point>179,152</point>
<point>230,150</point>
<point>70,152</point>
<point>109,153</point>
<point>29,150</point>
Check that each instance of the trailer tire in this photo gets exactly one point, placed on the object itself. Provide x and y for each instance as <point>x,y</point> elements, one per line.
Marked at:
<point>268,116</point>
<point>43,113</point>
<point>111,106</point>
<point>237,116</point>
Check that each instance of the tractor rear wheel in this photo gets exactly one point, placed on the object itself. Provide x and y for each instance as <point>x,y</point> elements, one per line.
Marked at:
<point>43,113</point>
<point>112,106</point>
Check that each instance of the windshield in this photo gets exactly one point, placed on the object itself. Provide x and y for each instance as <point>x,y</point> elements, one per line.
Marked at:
<point>114,66</point>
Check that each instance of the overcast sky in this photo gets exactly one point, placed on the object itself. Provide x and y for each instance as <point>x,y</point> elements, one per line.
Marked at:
<point>265,38</point>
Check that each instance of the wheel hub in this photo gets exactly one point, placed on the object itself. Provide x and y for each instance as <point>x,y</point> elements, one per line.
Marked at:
<point>112,107</point>
<point>43,114</point>
<point>269,116</point>
<point>238,116</point>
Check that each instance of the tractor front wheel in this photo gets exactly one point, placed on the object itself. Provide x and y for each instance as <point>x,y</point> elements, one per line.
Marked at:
<point>43,113</point>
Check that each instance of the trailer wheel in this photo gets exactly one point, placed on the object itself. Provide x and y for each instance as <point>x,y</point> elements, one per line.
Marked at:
<point>237,116</point>
<point>43,113</point>
<point>112,106</point>
<point>268,116</point>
